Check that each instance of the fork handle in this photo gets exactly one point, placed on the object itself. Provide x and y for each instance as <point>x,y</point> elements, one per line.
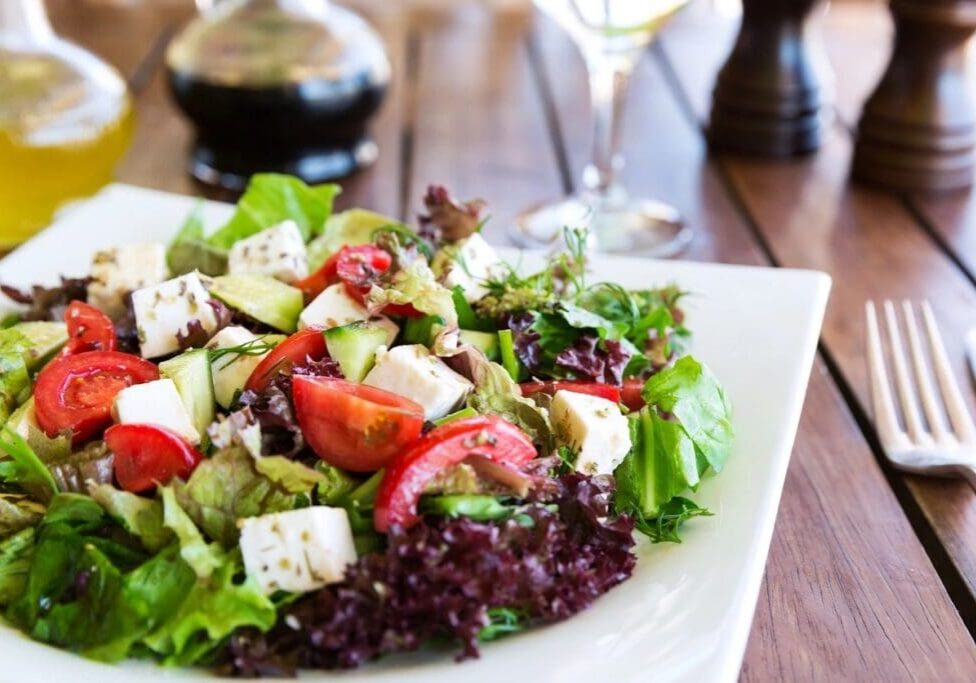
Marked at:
<point>967,472</point>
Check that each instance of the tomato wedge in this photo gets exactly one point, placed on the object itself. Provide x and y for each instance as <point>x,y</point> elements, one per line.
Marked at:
<point>146,455</point>
<point>408,474</point>
<point>353,426</point>
<point>76,392</point>
<point>306,345</point>
<point>607,391</point>
<point>314,284</point>
<point>88,329</point>
<point>358,267</point>
<point>630,394</point>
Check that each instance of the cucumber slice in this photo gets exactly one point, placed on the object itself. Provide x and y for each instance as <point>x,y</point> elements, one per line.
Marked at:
<point>265,299</point>
<point>510,361</point>
<point>37,340</point>
<point>419,330</point>
<point>486,342</point>
<point>354,347</point>
<point>190,372</point>
<point>22,419</point>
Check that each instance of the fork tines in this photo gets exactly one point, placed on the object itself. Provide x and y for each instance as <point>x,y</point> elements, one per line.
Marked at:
<point>925,426</point>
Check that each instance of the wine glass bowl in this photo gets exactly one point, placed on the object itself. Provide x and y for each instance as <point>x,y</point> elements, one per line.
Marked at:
<point>611,36</point>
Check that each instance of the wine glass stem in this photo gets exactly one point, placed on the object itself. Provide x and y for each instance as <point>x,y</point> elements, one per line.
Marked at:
<point>609,75</point>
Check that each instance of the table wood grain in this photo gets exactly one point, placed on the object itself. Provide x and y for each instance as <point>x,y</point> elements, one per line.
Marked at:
<point>871,574</point>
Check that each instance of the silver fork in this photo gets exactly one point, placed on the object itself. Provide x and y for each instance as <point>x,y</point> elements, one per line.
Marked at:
<point>928,443</point>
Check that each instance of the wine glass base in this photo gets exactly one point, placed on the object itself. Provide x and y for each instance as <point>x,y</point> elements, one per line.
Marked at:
<point>632,226</point>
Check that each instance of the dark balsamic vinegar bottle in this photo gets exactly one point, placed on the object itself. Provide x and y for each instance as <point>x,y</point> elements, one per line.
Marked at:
<point>278,86</point>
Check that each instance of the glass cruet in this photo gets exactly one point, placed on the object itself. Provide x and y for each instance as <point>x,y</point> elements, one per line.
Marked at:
<point>277,85</point>
<point>65,120</point>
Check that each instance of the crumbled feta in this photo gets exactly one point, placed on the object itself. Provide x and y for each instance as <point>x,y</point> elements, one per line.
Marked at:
<point>414,372</point>
<point>475,262</point>
<point>155,403</point>
<point>298,550</point>
<point>593,427</point>
<point>117,271</point>
<point>278,251</point>
<point>162,311</point>
<point>335,308</point>
<point>231,371</point>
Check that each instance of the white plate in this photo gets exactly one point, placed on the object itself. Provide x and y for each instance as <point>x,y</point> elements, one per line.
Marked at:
<point>685,614</point>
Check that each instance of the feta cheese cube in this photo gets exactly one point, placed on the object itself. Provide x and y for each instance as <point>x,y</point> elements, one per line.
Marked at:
<point>298,550</point>
<point>475,262</point>
<point>278,251</point>
<point>165,310</point>
<point>414,372</point>
<point>155,403</point>
<point>231,371</point>
<point>593,427</point>
<point>335,308</point>
<point>117,271</point>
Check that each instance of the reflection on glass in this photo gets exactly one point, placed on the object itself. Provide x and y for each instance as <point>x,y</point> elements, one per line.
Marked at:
<point>65,120</point>
<point>611,35</point>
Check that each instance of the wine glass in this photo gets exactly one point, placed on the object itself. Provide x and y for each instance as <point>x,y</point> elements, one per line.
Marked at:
<point>611,35</point>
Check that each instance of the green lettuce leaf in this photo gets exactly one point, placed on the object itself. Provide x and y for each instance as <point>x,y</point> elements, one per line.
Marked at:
<point>349,228</point>
<point>496,393</point>
<point>15,560</point>
<point>189,250</point>
<point>141,517</point>
<point>417,286</point>
<point>229,486</point>
<point>690,392</point>
<point>24,468</point>
<point>18,512</point>
<point>202,557</point>
<point>271,198</point>
<point>212,610</point>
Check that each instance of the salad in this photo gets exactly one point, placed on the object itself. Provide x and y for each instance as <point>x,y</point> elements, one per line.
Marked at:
<point>310,439</point>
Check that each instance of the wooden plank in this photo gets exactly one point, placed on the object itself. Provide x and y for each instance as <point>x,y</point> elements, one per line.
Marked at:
<point>849,592</point>
<point>479,124</point>
<point>810,217</point>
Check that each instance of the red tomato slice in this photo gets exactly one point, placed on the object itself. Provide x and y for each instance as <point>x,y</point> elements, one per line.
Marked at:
<point>308,344</point>
<point>146,455</point>
<point>88,329</point>
<point>353,426</point>
<point>408,474</point>
<point>313,285</point>
<point>76,392</point>
<point>630,395</point>
<point>361,266</point>
<point>607,391</point>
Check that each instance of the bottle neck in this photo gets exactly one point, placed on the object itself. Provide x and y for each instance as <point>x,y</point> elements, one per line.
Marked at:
<point>24,20</point>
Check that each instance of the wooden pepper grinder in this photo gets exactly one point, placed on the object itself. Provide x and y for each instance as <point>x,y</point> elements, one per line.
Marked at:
<point>918,129</point>
<point>769,97</point>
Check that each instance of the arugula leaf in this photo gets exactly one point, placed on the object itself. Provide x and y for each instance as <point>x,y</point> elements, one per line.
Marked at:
<point>15,560</point>
<point>189,250</point>
<point>689,391</point>
<point>660,465</point>
<point>141,517</point>
<point>24,467</point>
<point>674,513</point>
<point>271,198</point>
<point>348,228</point>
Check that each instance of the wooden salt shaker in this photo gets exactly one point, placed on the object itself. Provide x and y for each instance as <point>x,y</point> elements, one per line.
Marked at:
<point>918,129</point>
<point>769,98</point>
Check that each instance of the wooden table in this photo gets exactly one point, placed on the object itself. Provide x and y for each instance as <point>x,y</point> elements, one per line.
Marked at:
<point>871,574</point>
